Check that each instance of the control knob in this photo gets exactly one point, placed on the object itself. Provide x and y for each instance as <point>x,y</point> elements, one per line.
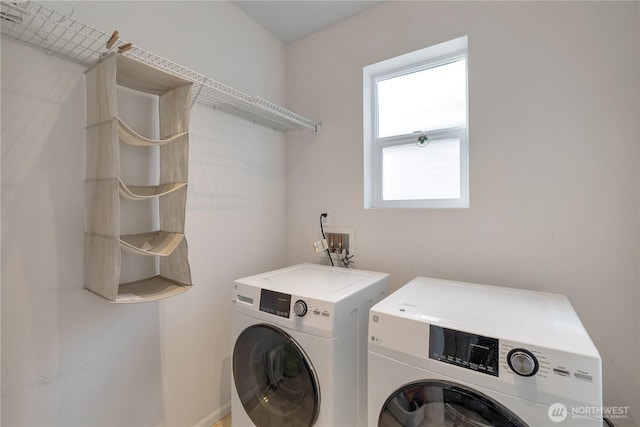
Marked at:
<point>522,362</point>
<point>300,308</point>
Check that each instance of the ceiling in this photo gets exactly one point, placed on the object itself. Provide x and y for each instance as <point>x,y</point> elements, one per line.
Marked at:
<point>291,21</point>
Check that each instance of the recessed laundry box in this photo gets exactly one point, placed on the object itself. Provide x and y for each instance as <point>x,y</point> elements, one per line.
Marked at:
<point>299,338</point>
<point>445,353</point>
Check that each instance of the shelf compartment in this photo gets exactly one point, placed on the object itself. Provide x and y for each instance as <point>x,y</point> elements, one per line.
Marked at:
<point>103,262</point>
<point>35,25</point>
<point>156,243</point>
<point>141,192</point>
<point>131,137</point>
<point>150,289</point>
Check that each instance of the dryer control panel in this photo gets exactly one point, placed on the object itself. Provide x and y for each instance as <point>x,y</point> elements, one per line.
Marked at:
<point>470,351</point>
<point>533,372</point>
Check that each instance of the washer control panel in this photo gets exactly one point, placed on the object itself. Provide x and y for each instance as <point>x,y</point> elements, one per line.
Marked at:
<point>311,309</point>
<point>300,308</point>
<point>287,305</point>
<point>276,303</point>
<point>284,309</point>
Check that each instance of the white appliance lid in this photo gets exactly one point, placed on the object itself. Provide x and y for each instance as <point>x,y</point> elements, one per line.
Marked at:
<point>540,318</point>
<point>315,281</point>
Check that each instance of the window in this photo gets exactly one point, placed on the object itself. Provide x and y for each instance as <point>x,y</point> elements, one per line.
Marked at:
<point>415,129</point>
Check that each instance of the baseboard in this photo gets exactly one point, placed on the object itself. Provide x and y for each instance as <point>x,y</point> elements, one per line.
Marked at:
<point>215,416</point>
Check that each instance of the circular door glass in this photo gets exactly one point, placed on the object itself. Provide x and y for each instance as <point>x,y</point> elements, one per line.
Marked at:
<point>444,404</point>
<point>274,378</point>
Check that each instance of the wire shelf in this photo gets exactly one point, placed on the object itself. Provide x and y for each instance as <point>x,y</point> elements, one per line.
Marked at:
<point>35,25</point>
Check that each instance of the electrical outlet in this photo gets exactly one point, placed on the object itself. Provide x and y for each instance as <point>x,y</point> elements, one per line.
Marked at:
<point>326,220</point>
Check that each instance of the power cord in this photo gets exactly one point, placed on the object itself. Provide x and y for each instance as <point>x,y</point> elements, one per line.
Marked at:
<point>324,215</point>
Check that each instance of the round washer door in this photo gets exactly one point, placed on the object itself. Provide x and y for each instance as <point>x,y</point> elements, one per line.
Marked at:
<point>274,378</point>
<point>442,403</point>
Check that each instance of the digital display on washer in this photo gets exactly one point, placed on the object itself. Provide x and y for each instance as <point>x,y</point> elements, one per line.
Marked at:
<point>463,349</point>
<point>275,303</point>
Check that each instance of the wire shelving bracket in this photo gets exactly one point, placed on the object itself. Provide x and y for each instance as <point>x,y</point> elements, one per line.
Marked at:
<point>37,26</point>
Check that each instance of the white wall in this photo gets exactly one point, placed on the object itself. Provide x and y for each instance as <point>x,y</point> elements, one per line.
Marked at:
<point>554,106</point>
<point>70,357</point>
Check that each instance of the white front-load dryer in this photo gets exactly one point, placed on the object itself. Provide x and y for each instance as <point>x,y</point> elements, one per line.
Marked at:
<point>299,339</point>
<point>445,353</point>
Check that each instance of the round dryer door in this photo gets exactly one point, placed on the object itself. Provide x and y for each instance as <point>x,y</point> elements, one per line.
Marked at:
<point>274,378</point>
<point>443,403</point>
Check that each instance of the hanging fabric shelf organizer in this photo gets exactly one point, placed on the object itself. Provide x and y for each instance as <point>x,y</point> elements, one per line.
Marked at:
<point>106,131</point>
<point>34,24</point>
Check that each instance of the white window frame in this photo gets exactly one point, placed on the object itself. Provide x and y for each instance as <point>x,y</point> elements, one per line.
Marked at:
<point>429,57</point>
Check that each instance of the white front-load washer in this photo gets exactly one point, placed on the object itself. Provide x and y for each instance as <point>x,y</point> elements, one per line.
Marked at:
<point>299,339</point>
<point>444,353</point>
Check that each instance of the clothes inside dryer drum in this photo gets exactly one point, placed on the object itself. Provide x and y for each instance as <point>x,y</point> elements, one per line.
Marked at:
<point>444,404</point>
<point>274,378</point>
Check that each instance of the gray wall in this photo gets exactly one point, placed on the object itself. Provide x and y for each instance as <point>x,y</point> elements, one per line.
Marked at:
<point>554,106</point>
<point>70,357</point>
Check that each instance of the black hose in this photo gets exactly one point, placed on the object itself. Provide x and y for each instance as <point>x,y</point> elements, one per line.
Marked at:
<point>322,230</point>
